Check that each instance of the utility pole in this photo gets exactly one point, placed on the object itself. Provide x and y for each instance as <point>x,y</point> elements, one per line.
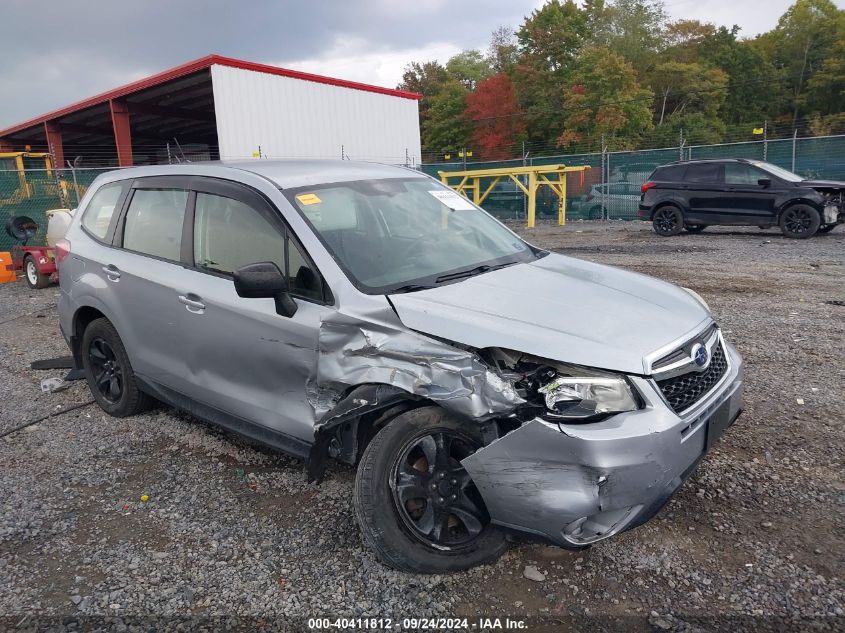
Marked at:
<point>765,140</point>
<point>794,141</point>
<point>681,145</point>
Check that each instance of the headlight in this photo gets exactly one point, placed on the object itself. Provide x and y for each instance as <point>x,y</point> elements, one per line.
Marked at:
<point>579,397</point>
<point>697,296</point>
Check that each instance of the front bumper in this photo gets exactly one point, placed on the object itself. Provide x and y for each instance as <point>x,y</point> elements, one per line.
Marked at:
<point>577,484</point>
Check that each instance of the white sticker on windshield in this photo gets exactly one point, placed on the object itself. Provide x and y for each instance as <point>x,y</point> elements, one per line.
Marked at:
<point>453,200</point>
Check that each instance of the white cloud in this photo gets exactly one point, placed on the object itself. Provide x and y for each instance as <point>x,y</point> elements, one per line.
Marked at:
<point>355,59</point>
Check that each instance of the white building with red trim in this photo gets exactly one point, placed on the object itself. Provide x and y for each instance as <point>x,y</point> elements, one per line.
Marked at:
<point>219,107</point>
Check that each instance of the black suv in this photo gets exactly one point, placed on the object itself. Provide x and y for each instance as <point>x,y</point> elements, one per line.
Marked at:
<point>693,195</point>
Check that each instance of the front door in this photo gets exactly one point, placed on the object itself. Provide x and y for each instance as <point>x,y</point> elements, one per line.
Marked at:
<point>746,200</point>
<point>242,357</point>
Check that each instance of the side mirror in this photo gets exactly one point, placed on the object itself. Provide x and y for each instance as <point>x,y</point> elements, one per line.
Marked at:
<point>764,182</point>
<point>265,280</point>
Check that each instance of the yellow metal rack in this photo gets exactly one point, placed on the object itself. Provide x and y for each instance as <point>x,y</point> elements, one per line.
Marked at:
<point>552,176</point>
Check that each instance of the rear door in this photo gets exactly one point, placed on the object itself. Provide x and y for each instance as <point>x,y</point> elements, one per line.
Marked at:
<point>242,357</point>
<point>702,187</point>
<point>746,201</point>
<point>141,273</point>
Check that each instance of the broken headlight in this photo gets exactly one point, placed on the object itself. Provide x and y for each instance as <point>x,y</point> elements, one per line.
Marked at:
<point>561,392</point>
<point>583,397</point>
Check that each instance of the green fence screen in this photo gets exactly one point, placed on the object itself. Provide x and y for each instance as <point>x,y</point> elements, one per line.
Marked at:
<point>611,188</point>
<point>33,192</point>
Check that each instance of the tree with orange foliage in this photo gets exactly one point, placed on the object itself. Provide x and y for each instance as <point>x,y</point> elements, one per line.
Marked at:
<point>496,117</point>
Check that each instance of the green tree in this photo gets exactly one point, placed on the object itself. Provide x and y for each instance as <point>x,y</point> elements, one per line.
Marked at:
<point>504,50</point>
<point>688,88</point>
<point>469,67</point>
<point>605,100</point>
<point>800,43</point>
<point>427,79</point>
<point>551,36</point>
<point>549,41</point>
<point>754,91</point>
<point>684,39</point>
<point>446,128</point>
<point>634,30</point>
<point>826,88</point>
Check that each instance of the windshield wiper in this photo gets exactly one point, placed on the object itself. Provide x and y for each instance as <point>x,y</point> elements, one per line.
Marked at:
<point>410,288</point>
<point>471,272</point>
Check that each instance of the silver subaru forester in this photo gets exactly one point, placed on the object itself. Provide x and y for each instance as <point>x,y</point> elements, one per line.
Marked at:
<point>369,314</point>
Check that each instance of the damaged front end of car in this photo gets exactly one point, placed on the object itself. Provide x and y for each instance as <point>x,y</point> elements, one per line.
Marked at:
<point>571,454</point>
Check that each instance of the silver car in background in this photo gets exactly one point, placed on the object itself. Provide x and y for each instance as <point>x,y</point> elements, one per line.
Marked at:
<point>366,313</point>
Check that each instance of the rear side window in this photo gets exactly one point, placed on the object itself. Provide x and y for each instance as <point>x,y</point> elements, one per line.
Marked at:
<point>703,172</point>
<point>672,173</point>
<point>154,222</point>
<point>100,210</point>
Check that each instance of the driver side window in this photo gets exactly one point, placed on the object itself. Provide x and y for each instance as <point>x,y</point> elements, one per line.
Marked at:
<point>229,234</point>
<point>742,174</point>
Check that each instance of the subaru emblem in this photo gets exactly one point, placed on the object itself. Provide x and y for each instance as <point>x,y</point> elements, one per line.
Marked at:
<point>699,355</point>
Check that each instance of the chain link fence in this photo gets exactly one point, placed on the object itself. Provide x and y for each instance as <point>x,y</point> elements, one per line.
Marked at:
<point>611,188</point>
<point>33,192</point>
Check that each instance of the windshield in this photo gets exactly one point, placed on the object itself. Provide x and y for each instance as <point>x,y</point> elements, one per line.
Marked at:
<point>400,235</point>
<point>780,172</point>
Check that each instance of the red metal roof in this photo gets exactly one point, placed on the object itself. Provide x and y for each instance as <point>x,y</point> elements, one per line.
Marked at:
<point>195,66</point>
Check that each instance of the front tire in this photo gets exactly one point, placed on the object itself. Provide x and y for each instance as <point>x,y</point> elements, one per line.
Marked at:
<point>695,228</point>
<point>596,213</point>
<point>34,279</point>
<point>827,228</point>
<point>800,221</point>
<point>417,506</point>
<point>108,372</point>
<point>668,221</point>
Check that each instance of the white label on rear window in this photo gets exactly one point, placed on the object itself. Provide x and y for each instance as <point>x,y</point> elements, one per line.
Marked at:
<point>453,200</point>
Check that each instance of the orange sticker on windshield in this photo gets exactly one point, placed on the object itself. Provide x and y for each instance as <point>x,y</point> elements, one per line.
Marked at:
<point>308,198</point>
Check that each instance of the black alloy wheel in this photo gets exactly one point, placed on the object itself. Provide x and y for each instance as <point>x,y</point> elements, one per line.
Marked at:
<point>668,221</point>
<point>800,221</point>
<point>108,374</point>
<point>434,494</point>
<point>418,508</point>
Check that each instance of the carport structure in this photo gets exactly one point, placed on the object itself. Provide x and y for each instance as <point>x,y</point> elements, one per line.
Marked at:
<point>214,106</point>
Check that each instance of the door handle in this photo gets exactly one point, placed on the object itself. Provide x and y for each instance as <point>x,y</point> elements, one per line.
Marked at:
<point>192,302</point>
<point>112,272</point>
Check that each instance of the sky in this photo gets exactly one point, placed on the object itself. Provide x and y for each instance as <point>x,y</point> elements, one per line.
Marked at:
<point>60,53</point>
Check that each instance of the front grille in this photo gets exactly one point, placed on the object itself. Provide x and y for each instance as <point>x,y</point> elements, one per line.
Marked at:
<point>683,391</point>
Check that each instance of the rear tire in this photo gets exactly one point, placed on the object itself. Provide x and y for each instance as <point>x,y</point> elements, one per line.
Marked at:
<point>827,228</point>
<point>799,221</point>
<point>109,373</point>
<point>34,279</point>
<point>668,221</point>
<point>417,507</point>
<point>695,228</point>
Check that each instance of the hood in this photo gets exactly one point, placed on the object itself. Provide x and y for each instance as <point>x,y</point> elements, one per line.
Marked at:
<point>558,308</point>
<point>823,184</point>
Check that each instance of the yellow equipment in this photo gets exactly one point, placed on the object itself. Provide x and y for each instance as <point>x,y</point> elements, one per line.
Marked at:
<point>41,179</point>
<point>552,176</point>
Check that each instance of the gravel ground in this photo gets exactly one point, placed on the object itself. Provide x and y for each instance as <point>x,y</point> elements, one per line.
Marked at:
<point>753,541</point>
